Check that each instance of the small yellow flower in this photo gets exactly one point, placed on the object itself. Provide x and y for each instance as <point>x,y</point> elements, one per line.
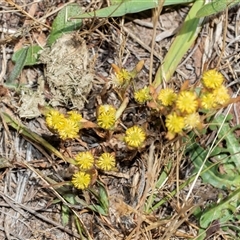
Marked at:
<point>167,96</point>
<point>75,116</point>
<point>85,160</point>
<point>122,77</point>
<point>106,109</point>
<point>212,79</point>
<point>208,101</point>
<point>54,118</point>
<point>68,129</point>
<point>135,136</point>
<point>221,95</point>
<point>106,162</point>
<point>81,180</point>
<point>142,95</point>
<point>106,120</point>
<point>187,102</point>
<point>192,120</point>
<point>174,123</point>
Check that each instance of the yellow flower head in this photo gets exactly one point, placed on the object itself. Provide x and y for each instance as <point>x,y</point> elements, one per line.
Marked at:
<point>167,96</point>
<point>122,77</point>
<point>81,180</point>
<point>68,129</point>
<point>106,120</point>
<point>192,121</point>
<point>135,136</point>
<point>208,101</point>
<point>187,102</point>
<point>174,123</point>
<point>221,95</point>
<point>54,118</point>
<point>106,116</point>
<point>75,116</point>
<point>85,160</point>
<point>142,95</point>
<point>212,79</point>
<point>106,109</point>
<point>106,162</point>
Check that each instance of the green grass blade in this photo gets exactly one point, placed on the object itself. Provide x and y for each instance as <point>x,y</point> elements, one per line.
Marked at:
<point>128,6</point>
<point>182,43</point>
<point>215,7</point>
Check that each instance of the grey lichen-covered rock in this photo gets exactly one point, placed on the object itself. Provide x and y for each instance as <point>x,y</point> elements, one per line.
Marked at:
<point>69,73</point>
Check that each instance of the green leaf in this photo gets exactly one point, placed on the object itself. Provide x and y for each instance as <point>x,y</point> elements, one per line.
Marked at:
<point>126,7</point>
<point>223,211</point>
<point>103,198</point>
<point>226,154</point>
<point>210,173</point>
<point>62,23</point>
<point>115,2</point>
<point>65,213</point>
<point>232,146</point>
<point>31,57</point>
<point>20,62</point>
<point>215,7</point>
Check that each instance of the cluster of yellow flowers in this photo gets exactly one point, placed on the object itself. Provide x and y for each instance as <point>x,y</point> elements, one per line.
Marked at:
<point>188,104</point>
<point>182,109</point>
<point>66,126</point>
<point>86,163</point>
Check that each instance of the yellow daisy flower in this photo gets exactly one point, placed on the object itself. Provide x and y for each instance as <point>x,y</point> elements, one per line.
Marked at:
<point>135,136</point>
<point>81,180</point>
<point>212,79</point>
<point>192,121</point>
<point>141,96</point>
<point>221,95</point>
<point>75,116</point>
<point>68,129</point>
<point>106,162</point>
<point>122,77</point>
<point>208,101</point>
<point>106,120</point>
<point>174,123</point>
<point>54,118</point>
<point>85,160</point>
<point>187,102</point>
<point>107,109</point>
<point>167,96</point>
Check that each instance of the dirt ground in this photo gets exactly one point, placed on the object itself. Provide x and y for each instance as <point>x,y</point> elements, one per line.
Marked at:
<point>30,207</point>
